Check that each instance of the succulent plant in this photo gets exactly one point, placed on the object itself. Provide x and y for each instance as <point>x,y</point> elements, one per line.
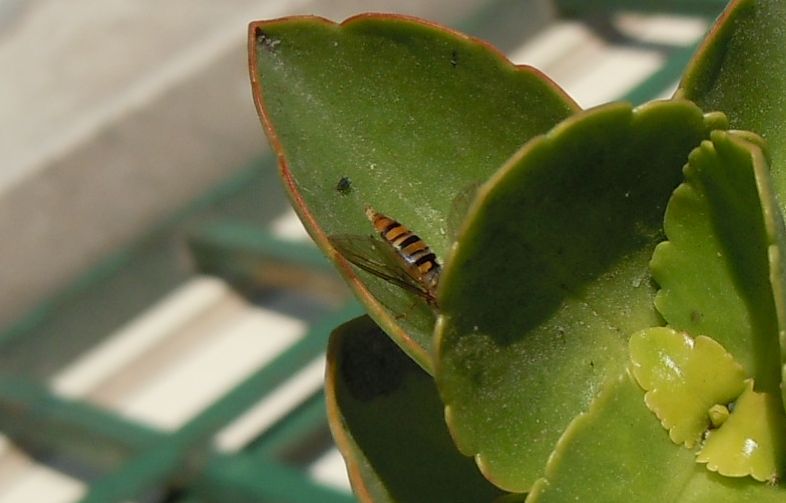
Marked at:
<point>610,318</point>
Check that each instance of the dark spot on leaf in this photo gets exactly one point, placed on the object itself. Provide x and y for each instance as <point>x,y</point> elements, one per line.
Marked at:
<point>454,58</point>
<point>696,316</point>
<point>592,364</point>
<point>344,186</point>
<point>265,41</point>
<point>372,365</point>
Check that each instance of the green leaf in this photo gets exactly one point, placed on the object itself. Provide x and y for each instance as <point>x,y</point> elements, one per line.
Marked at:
<point>720,273</point>
<point>395,113</point>
<point>739,70</point>
<point>721,276</point>
<point>706,486</point>
<point>386,417</point>
<point>684,379</point>
<point>752,441</point>
<point>550,278</point>
<point>617,452</point>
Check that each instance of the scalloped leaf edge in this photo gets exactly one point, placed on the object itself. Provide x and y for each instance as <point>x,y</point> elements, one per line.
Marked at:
<point>683,430</point>
<point>712,121</point>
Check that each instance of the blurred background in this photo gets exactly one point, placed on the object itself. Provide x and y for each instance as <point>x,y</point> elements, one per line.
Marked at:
<point>163,316</point>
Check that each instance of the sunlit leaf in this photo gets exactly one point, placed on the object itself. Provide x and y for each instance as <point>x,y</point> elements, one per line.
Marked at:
<point>396,113</point>
<point>550,277</point>
<point>752,441</point>
<point>684,379</point>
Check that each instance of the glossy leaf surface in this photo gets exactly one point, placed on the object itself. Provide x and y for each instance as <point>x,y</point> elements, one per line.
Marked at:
<point>395,113</point>
<point>386,417</point>
<point>550,278</point>
<point>720,272</point>
<point>721,276</point>
<point>617,453</point>
<point>684,378</point>
<point>751,441</point>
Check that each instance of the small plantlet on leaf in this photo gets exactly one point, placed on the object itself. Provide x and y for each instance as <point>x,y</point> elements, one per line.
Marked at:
<point>673,369</point>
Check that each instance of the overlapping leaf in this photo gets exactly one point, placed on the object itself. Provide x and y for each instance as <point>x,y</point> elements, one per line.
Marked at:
<point>739,71</point>
<point>725,197</point>
<point>752,441</point>
<point>720,270</point>
<point>684,379</point>
<point>618,453</point>
<point>386,416</point>
<point>395,113</point>
<point>550,278</point>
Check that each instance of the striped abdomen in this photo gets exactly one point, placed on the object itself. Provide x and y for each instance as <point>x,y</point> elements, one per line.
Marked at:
<point>418,257</point>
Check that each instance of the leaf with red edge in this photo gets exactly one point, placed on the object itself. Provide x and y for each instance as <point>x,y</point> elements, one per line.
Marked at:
<point>396,113</point>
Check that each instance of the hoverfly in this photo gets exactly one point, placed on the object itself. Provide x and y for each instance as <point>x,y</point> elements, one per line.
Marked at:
<point>399,257</point>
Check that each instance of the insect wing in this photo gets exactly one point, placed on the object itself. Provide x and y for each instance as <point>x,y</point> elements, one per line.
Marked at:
<point>459,208</point>
<point>377,258</point>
